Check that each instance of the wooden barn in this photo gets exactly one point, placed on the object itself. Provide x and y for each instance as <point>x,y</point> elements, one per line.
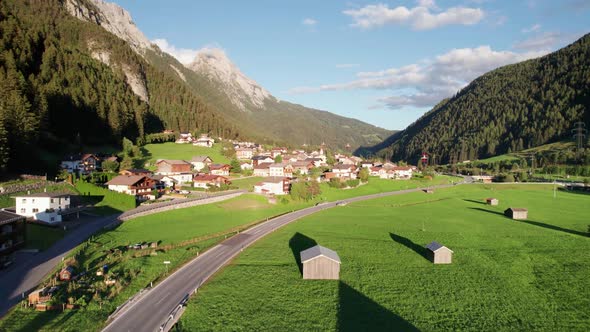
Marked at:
<point>439,254</point>
<point>320,263</point>
<point>492,201</point>
<point>516,213</point>
<point>66,273</point>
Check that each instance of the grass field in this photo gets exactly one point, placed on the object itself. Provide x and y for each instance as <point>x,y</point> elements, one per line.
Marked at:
<point>246,183</point>
<point>205,224</point>
<point>506,275</point>
<point>42,237</point>
<point>186,152</point>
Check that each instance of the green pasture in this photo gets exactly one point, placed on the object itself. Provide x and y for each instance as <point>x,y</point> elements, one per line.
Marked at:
<point>506,275</point>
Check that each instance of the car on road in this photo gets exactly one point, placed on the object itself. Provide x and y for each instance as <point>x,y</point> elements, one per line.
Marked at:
<point>341,204</point>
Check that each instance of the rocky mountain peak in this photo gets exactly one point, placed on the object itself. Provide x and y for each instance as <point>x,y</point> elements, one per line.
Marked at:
<point>242,90</point>
<point>113,18</point>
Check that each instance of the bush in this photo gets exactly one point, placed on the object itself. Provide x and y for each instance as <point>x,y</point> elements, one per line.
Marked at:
<point>335,183</point>
<point>353,183</point>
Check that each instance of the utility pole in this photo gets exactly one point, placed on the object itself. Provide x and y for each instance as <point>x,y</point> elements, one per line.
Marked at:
<point>579,135</point>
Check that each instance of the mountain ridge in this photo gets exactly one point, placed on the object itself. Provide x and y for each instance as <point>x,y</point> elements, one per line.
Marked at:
<point>508,109</point>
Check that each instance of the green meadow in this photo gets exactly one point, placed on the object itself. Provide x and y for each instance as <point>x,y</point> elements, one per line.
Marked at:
<point>180,234</point>
<point>171,150</point>
<point>506,275</point>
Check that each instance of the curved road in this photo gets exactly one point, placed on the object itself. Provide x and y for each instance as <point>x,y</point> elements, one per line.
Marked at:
<point>153,309</point>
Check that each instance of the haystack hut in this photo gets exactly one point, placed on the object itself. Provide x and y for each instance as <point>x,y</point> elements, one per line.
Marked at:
<point>516,213</point>
<point>320,263</point>
<point>439,254</point>
<point>492,201</point>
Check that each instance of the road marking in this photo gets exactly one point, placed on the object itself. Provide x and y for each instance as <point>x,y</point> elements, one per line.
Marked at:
<point>162,299</point>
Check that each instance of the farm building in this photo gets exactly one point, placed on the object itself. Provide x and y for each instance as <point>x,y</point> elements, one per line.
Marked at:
<point>320,263</point>
<point>492,201</point>
<point>66,273</point>
<point>439,254</point>
<point>429,191</point>
<point>40,295</point>
<point>516,213</point>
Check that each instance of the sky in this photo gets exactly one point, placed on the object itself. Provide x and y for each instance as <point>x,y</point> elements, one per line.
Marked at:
<point>382,62</point>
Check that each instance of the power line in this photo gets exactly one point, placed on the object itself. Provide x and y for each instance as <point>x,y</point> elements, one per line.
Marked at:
<point>579,135</point>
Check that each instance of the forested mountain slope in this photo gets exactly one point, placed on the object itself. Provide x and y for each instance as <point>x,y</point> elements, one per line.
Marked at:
<point>65,82</point>
<point>508,109</point>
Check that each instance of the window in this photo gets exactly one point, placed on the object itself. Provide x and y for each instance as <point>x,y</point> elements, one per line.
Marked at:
<point>52,200</point>
<point>52,218</point>
<point>35,210</point>
<point>23,210</point>
<point>33,200</point>
<point>24,201</point>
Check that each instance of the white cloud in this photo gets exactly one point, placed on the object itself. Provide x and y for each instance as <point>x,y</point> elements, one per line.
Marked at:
<point>309,22</point>
<point>533,28</point>
<point>424,84</point>
<point>420,17</point>
<point>183,55</point>
<point>347,65</point>
<point>547,41</point>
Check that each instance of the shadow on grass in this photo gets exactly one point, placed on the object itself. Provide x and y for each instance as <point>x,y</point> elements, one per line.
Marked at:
<point>41,320</point>
<point>555,228</point>
<point>579,191</point>
<point>475,201</point>
<point>298,243</point>
<point>356,312</point>
<point>489,211</point>
<point>420,250</point>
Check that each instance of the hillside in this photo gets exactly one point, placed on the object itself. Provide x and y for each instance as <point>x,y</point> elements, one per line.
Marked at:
<point>509,109</point>
<point>66,83</point>
<point>232,95</point>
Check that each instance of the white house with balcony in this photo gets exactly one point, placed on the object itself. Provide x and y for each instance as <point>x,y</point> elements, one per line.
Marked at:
<point>46,207</point>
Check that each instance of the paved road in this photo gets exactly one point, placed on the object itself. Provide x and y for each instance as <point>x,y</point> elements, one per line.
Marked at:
<point>153,309</point>
<point>25,277</point>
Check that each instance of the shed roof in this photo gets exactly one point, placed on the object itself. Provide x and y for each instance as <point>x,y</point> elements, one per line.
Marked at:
<point>435,246</point>
<point>45,194</point>
<point>172,162</point>
<point>8,217</point>
<point>197,159</point>
<point>125,180</point>
<point>316,251</point>
<point>518,209</point>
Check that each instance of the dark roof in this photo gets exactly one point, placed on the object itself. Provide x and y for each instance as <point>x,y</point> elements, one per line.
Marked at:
<point>260,157</point>
<point>45,194</point>
<point>263,166</point>
<point>342,166</point>
<point>517,209</point>
<point>218,166</point>
<point>125,180</point>
<point>207,177</point>
<point>489,199</point>
<point>317,251</point>
<point>8,217</point>
<point>137,170</point>
<point>434,246</point>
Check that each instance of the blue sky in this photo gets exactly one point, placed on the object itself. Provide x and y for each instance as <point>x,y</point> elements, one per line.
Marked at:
<point>383,62</point>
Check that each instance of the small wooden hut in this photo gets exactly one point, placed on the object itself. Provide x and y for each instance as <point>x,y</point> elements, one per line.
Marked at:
<point>492,201</point>
<point>516,213</point>
<point>439,254</point>
<point>428,191</point>
<point>66,273</point>
<point>320,263</point>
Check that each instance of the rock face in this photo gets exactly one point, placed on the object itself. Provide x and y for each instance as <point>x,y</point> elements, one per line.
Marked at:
<point>117,21</point>
<point>241,90</point>
<point>114,19</point>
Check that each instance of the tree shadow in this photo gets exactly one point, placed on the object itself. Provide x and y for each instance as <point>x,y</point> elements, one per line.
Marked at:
<point>489,211</point>
<point>555,228</point>
<point>298,243</point>
<point>356,312</point>
<point>474,201</point>
<point>420,250</point>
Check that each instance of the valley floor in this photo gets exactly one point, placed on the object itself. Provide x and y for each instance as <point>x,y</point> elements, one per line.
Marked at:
<point>506,275</point>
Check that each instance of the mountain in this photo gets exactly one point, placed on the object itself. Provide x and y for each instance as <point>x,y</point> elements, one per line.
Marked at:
<point>239,99</point>
<point>509,109</point>
<point>67,83</point>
